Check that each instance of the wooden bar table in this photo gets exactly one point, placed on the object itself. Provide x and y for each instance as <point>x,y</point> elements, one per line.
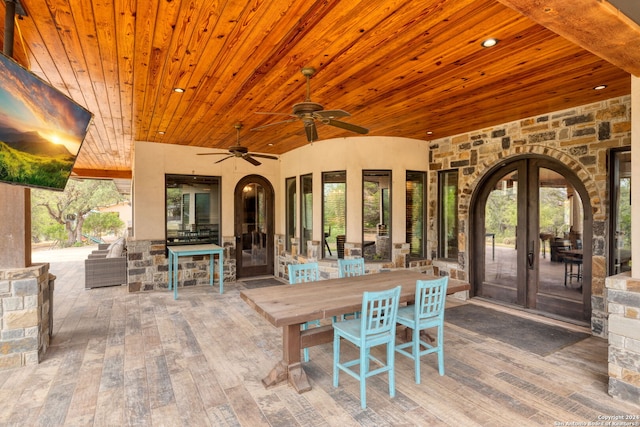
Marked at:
<point>290,306</point>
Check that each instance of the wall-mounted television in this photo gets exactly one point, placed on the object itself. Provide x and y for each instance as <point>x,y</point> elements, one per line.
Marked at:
<point>41,129</point>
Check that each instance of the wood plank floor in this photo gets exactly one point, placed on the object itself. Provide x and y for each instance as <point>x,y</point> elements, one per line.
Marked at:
<point>146,360</point>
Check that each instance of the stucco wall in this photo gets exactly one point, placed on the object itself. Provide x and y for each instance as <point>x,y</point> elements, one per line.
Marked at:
<point>355,154</point>
<point>152,161</point>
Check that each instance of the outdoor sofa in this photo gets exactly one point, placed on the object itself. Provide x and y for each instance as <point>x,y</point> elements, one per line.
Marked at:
<point>106,266</point>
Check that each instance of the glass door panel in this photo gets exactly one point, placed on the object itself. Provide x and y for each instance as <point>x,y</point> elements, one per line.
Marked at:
<point>253,226</point>
<point>500,246</point>
<point>560,231</point>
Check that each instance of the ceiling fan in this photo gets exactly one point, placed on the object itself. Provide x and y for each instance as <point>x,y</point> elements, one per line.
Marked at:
<point>310,112</point>
<point>240,151</point>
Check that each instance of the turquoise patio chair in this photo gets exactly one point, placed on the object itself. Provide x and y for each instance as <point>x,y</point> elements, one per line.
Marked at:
<point>350,268</point>
<point>427,312</point>
<point>376,326</point>
<point>304,273</point>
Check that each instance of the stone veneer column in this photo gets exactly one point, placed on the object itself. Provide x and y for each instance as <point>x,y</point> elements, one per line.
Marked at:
<point>623,307</point>
<point>25,315</point>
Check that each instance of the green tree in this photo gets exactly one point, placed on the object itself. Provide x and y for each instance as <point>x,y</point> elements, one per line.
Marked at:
<point>98,223</point>
<point>501,214</point>
<point>70,207</point>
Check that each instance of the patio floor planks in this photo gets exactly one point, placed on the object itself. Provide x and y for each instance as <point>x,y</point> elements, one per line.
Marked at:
<point>146,359</point>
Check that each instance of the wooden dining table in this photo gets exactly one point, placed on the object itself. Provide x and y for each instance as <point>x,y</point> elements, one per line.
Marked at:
<point>290,306</point>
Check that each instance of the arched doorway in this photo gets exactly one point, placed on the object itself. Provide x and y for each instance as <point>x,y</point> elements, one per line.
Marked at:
<point>254,223</point>
<point>532,238</point>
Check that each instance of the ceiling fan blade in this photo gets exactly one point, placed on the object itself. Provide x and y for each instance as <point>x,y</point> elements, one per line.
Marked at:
<point>222,160</point>
<point>310,129</point>
<point>276,123</point>
<point>347,126</point>
<point>264,156</point>
<point>213,154</point>
<point>331,114</point>
<point>251,160</point>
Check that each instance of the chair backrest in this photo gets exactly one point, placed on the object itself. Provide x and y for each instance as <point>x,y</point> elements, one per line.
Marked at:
<point>379,311</point>
<point>351,267</point>
<point>431,297</point>
<point>302,273</point>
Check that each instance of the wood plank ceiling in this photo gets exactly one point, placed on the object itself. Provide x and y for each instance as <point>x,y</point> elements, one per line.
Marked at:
<point>400,67</point>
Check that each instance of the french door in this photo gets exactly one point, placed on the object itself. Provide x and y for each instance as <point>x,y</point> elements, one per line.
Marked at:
<point>254,222</point>
<point>532,239</point>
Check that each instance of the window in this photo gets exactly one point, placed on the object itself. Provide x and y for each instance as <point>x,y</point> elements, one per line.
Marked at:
<point>291,208</point>
<point>334,213</point>
<point>192,209</point>
<point>415,213</point>
<point>448,214</point>
<point>620,218</point>
<point>376,215</point>
<point>306,211</point>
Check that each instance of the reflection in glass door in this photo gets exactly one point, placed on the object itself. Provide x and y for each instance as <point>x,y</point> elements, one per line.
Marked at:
<point>530,231</point>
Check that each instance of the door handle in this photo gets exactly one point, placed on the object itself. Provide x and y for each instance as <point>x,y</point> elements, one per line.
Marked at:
<point>530,256</point>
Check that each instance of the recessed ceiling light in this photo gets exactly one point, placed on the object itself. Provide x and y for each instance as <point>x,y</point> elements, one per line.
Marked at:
<point>270,144</point>
<point>489,42</point>
<point>178,89</point>
<point>429,132</point>
<point>600,87</point>
<point>161,132</point>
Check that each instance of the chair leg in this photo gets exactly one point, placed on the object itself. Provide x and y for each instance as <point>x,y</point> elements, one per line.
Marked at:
<point>441,350</point>
<point>391,354</point>
<point>364,369</point>
<point>336,358</point>
<point>416,354</point>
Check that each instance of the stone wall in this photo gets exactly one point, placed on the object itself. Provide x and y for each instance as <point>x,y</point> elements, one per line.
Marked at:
<point>25,315</point>
<point>580,138</point>
<point>148,266</point>
<point>623,306</point>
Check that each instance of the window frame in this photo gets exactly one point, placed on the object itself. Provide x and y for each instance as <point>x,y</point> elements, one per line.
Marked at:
<point>410,219</point>
<point>291,210</point>
<point>306,212</point>
<point>325,245</point>
<point>197,234</point>
<point>382,228</point>
<point>443,233</point>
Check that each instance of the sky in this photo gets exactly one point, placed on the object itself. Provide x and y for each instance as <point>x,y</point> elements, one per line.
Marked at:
<point>29,104</point>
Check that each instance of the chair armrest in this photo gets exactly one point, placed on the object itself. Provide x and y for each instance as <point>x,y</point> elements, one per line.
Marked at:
<point>98,254</point>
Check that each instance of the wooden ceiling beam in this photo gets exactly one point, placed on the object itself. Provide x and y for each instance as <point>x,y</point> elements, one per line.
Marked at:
<point>596,26</point>
<point>101,173</point>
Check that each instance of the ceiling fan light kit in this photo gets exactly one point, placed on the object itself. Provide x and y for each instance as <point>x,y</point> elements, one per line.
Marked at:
<point>309,112</point>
